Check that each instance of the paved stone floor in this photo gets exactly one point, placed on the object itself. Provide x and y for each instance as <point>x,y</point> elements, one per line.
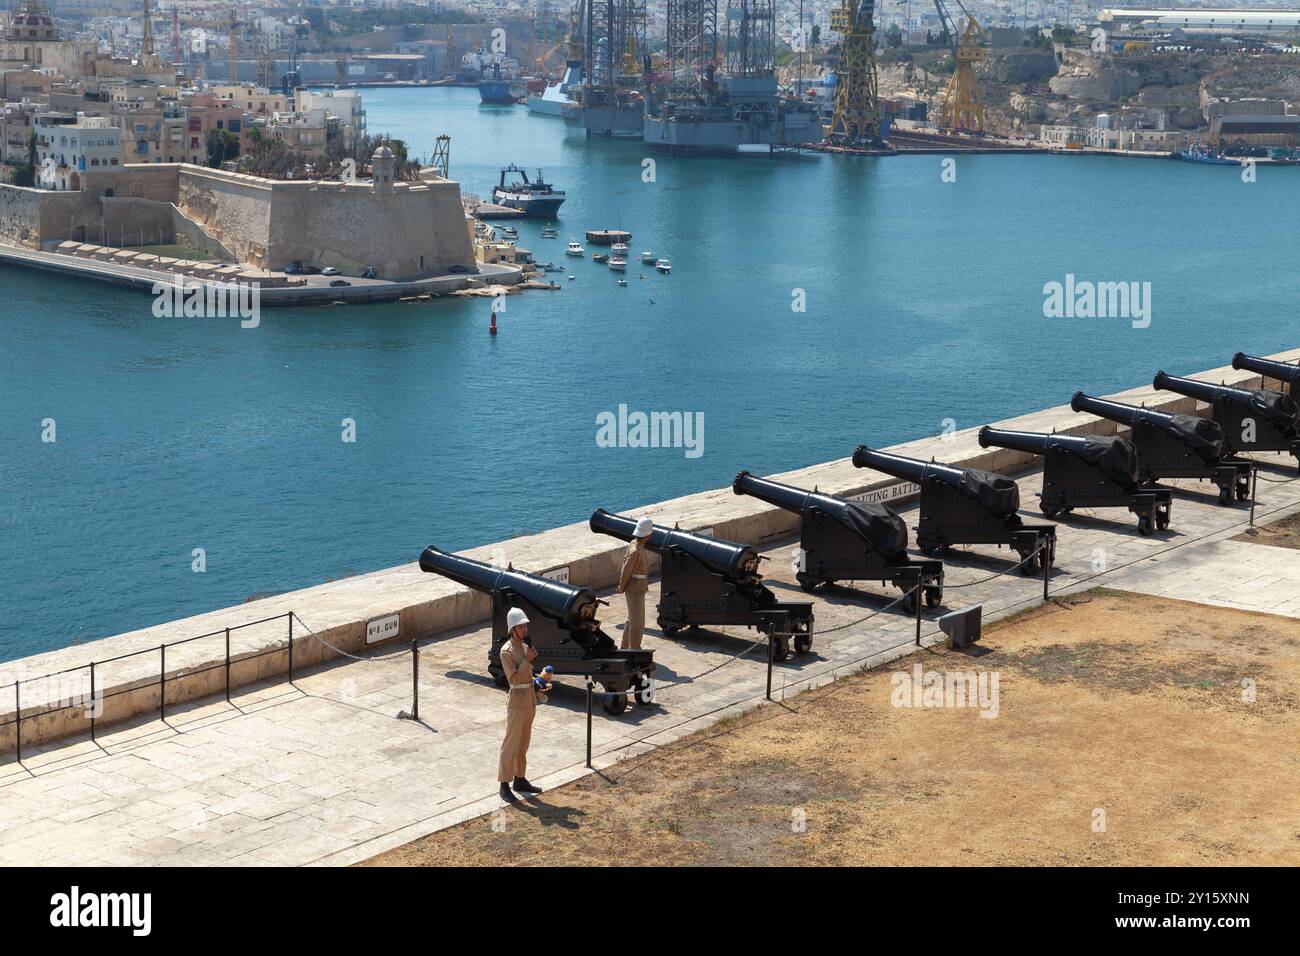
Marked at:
<point>321,772</point>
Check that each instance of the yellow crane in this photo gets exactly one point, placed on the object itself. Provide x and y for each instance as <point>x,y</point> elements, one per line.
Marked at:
<point>856,119</point>
<point>963,106</point>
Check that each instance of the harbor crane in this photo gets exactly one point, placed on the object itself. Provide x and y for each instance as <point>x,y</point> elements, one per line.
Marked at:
<point>963,106</point>
<point>856,119</point>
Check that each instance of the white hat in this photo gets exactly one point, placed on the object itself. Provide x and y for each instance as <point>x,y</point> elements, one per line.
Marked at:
<point>515,617</point>
<point>643,527</point>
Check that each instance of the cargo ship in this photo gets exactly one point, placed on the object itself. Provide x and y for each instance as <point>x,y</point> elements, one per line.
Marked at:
<point>496,89</point>
<point>1200,153</point>
<point>535,198</point>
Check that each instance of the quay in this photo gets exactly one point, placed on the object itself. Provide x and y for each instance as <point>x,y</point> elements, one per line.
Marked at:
<point>195,762</point>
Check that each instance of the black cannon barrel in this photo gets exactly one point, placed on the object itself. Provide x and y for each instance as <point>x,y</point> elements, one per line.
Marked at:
<point>876,524</point>
<point>731,559</point>
<point>998,494</point>
<point>1114,457</point>
<point>773,492</point>
<point>564,602</point>
<point>1204,436</point>
<point>1282,371</point>
<point>1280,410</point>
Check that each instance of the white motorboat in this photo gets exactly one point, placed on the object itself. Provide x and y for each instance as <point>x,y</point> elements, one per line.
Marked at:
<point>664,266</point>
<point>574,248</point>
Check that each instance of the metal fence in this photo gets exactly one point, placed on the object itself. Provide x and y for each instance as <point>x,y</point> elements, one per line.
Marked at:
<point>95,701</point>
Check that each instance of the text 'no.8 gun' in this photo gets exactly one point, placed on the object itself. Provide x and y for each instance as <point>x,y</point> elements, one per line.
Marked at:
<point>710,581</point>
<point>962,505</point>
<point>1174,446</point>
<point>1251,419</point>
<point>1088,471</point>
<point>843,540</point>
<point>562,626</point>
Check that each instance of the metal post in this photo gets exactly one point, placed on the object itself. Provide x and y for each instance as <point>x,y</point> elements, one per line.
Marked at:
<point>1044,556</point>
<point>920,595</point>
<point>291,647</point>
<point>18,723</point>
<point>92,700</point>
<point>771,639</point>
<point>162,682</point>
<point>415,680</point>
<point>589,686</point>
<point>227,665</point>
<point>1254,491</point>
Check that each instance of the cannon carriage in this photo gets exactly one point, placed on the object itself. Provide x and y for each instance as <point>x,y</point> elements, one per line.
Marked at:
<point>962,505</point>
<point>1088,472</point>
<point>1174,446</point>
<point>708,581</point>
<point>563,627</point>
<point>1251,419</point>
<point>842,540</point>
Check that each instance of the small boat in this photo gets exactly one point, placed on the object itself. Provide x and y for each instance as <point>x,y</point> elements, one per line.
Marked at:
<point>618,263</point>
<point>550,233</point>
<point>510,232</point>
<point>599,257</point>
<point>619,249</point>
<point>573,248</point>
<point>648,258</point>
<point>664,266</point>
<point>622,282</point>
<point>571,278</point>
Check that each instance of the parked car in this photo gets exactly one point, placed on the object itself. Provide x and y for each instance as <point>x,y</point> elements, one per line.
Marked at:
<point>293,268</point>
<point>329,271</point>
<point>338,282</point>
<point>459,269</point>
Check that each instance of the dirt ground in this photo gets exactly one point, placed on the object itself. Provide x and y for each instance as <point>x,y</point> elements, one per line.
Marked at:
<point>1282,534</point>
<point>1124,735</point>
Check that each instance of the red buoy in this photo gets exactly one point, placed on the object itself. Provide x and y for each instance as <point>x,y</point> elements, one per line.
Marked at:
<point>492,329</point>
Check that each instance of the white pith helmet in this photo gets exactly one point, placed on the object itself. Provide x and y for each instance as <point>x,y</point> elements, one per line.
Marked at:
<point>515,617</point>
<point>643,527</point>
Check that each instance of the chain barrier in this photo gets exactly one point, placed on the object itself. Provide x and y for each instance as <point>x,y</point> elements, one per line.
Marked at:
<point>382,659</point>
<point>1038,549</point>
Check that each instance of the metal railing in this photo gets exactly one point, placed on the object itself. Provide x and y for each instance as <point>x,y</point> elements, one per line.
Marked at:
<point>94,707</point>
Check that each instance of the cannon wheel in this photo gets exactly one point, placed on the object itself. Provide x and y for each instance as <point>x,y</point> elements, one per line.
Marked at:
<point>670,630</point>
<point>1144,525</point>
<point>1225,494</point>
<point>780,647</point>
<point>933,595</point>
<point>499,677</point>
<point>807,581</point>
<point>614,703</point>
<point>802,643</point>
<point>1029,566</point>
<point>909,600</point>
<point>1162,518</point>
<point>928,547</point>
<point>1050,512</point>
<point>1243,490</point>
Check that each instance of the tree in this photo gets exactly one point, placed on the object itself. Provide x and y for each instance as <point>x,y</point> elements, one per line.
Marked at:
<point>223,145</point>
<point>894,35</point>
<point>816,37</point>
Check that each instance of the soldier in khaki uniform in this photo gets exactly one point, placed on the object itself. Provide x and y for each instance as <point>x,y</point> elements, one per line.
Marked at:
<point>517,661</point>
<point>633,585</point>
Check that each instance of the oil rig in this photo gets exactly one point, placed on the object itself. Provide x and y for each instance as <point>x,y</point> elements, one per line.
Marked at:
<point>611,98</point>
<point>855,123</point>
<point>696,107</point>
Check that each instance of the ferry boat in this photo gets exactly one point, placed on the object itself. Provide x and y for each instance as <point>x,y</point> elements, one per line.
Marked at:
<point>535,198</point>
<point>618,264</point>
<point>664,266</point>
<point>573,248</point>
<point>556,96</point>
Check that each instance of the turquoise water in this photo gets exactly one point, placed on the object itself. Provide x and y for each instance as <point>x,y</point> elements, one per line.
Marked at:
<point>924,302</point>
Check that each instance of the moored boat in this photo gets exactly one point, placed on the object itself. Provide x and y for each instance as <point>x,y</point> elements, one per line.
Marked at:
<point>535,198</point>
<point>664,266</point>
<point>574,248</point>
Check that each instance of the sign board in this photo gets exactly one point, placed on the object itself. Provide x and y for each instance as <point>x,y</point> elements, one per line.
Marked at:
<point>357,70</point>
<point>896,492</point>
<point>381,629</point>
<point>558,574</point>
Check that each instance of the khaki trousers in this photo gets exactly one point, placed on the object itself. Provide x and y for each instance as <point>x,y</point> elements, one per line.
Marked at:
<point>519,731</point>
<point>635,626</point>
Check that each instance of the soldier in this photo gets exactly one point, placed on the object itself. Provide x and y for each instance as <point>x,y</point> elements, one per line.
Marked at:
<point>632,584</point>
<point>517,658</point>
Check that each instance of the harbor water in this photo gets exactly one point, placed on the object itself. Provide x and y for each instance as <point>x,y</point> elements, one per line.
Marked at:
<point>815,302</point>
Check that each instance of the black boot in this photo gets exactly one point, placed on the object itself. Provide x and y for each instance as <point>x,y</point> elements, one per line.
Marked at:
<point>523,786</point>
<point>506,795</point>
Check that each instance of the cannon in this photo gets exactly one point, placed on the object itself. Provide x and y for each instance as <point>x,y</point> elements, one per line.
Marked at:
<point>966,506</point>
<point>562,626</point>
<point>1174,446</point>
<point>1270,368</point>
<point>843,540</point>
<point>1087,471</point>
<point>1251,419</point>
<point>711,581</point>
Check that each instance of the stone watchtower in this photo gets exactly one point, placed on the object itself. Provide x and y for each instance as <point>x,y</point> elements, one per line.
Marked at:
<point>384,166</point>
